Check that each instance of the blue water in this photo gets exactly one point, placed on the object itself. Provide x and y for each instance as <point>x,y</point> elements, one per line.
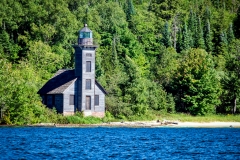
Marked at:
<point>119,143</point>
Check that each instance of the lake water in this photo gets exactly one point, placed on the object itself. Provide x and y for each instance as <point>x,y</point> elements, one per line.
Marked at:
<point>119,143</point>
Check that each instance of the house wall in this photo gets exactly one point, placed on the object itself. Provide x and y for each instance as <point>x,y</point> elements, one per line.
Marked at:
<point>99,111</point>
<point>59,103</point>
<point>53,100</point>
<point>69,109</point>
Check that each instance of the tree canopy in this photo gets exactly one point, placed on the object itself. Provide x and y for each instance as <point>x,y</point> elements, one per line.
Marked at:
<point>158,55</point>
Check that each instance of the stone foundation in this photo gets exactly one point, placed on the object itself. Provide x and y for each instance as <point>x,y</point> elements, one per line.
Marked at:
<point>87,113</point>
<point>98,114</point>
<point>68,113</point>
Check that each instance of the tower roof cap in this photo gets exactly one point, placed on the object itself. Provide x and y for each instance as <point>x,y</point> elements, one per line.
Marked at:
<point>85,29</point>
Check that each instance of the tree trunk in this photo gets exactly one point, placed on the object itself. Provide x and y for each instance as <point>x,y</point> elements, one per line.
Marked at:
<point>174,34</point>
<point>234,105</point>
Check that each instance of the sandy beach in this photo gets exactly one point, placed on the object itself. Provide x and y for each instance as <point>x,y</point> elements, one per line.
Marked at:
<point>175,124</point>
<point>158,124</point>
<point>209,124</point>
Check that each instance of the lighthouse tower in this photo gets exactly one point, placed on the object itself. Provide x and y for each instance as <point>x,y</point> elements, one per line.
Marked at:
<point>85,71</point>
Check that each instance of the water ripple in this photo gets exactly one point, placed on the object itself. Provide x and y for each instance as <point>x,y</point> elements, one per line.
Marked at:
<point>119,143</point>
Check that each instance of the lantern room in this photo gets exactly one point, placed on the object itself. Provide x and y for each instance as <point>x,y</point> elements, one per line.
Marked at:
<point>85,36</point>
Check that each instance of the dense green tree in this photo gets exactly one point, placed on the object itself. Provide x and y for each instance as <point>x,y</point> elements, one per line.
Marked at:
<point>165,9</point>
<point>196,85</point>
<point>17,87</point>
<point>166,66</point>
<point>231,80</point>
<point>146,32</point>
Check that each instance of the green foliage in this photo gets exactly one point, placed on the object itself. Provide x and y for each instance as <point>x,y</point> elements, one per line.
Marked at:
<point>166,66</point>
<point>231,79</point>
<point>108,117</point>
<point>83,120</point>
<point>237,24</point>
<point>183,117</point>
<point>135,62</point>
<point>196,85</point>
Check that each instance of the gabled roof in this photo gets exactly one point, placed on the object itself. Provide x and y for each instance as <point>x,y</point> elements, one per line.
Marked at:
<point>59,82</point>
<point>62,79</point>
<point>100,87</point>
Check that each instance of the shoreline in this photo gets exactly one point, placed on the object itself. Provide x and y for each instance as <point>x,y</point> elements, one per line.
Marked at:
<point>142,124</point>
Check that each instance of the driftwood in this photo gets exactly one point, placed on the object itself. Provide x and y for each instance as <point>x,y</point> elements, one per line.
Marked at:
<point>164,122</point>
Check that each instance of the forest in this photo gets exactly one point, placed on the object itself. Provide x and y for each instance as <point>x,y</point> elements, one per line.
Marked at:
<point>168,56</point>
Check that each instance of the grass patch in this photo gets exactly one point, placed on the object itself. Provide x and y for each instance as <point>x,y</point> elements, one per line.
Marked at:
<point>83,120</point>
<point>157,115</point>
<point>189,118</point>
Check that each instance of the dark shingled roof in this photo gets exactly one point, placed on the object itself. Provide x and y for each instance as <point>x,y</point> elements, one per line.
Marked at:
<point>100,87</point>
<point>61,81</point>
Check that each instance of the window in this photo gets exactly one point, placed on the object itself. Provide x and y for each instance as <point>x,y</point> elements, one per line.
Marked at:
<point>71,100</point>
<point>88,102</point>
<point>85,35</point>
<point>88,66</point>
<point>96,100</point>
<point>88,83</point>
<point>88,55</point>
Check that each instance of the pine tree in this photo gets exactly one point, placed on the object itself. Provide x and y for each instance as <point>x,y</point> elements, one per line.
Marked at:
<point>223,38</point>
<point>129,9</point>
<point>208,37</point>
<point>192,27</point>
<point>230,34</point>
<point>207,14</point>
<point>179,41</point>
<point>166,35</point>
<point>185,38</point>
<point>231,81</point>
<point>199,41</point>
<point>223,47</point>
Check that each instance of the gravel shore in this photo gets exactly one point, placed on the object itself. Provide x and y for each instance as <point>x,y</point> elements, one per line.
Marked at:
<point>158,124</point>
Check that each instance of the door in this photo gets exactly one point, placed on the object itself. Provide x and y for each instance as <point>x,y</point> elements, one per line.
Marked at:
<point>88,102</point>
